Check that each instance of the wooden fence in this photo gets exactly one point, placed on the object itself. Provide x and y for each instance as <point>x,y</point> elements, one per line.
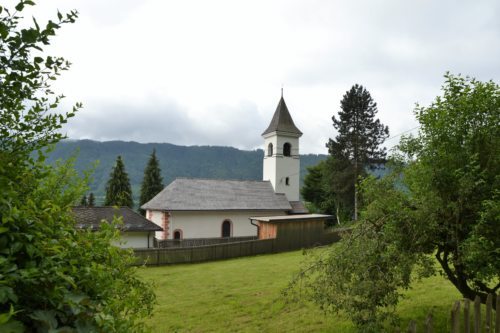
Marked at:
<point>190,242</point>
<point>470,321</point>
<point>176,255</point>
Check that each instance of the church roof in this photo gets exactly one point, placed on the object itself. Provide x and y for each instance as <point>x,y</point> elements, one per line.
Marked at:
<point>282,121</point>
<point>91,218</point>
<point>190,194</point>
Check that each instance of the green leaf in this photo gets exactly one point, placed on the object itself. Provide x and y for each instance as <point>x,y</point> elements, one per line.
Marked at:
<point>12,326</point>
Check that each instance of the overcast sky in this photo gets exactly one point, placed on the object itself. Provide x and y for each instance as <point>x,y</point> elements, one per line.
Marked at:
<point>201,72</point>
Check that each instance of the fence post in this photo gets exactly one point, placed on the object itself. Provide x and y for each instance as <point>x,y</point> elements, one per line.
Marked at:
<point>412,327</point>
<point>489,301</point>
<point>497,321</point>
<point>466,315</point>
<point>477,315</point>
<point>429,324</point>
<point>455,317</point>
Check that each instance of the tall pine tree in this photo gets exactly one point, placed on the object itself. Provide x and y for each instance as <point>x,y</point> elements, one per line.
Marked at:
<point>91,200</point>
<point>118,189</point>
<point>152,183</point>
<point>360,135</point>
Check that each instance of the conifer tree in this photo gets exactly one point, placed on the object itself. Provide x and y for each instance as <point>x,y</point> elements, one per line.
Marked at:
<point>152,183</point>
<point>118,189</point>
<point>83,202</point>
<point>91,200</point>
<point>360,135</point>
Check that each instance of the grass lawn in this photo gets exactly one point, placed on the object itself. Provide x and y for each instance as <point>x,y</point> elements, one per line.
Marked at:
<point>243,295</point>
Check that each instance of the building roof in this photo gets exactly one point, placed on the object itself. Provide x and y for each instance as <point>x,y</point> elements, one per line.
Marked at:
<point>298,207</point>
<point>289,218</point>
<point>282,121</point>
<point>190,194</point>
<point>91,218</point>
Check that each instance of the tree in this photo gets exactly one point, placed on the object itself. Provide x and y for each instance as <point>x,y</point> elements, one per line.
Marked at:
<point>118,189</point>
<point>442,200</point>
<point>91,200</point>
<point>84,202</point>
<point>328,187</point>
<point>52,277</point>
<point>152,183</point>
<point>359,136</point>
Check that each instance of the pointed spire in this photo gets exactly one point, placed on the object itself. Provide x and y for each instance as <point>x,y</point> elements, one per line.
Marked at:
<point>282,120</point>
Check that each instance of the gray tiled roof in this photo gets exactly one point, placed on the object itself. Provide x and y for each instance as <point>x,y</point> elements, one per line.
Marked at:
<point>91,217</point>
<point>282,121</point>
<point>216,194</point>
<point>298,207</point>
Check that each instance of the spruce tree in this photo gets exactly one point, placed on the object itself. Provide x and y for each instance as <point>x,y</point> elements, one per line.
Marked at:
<point>83,202</point>
<point>91,200</point>
<point>118,189</point>
<point>152,183</point>
<point>360,135</point>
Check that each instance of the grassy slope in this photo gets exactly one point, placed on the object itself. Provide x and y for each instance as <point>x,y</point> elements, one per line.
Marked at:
<point>243,295</point>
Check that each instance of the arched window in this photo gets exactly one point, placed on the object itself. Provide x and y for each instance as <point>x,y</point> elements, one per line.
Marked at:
<point>178,234</point>
<point>226,228</point>
<point>270,149</point>
<point>287,149</point>
<point>287,181</point>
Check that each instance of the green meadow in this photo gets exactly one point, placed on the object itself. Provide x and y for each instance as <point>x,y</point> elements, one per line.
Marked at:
<point>244,295</point>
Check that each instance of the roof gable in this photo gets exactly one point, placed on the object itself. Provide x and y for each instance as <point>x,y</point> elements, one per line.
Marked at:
<point>282,121</point>
<point>188,194</point>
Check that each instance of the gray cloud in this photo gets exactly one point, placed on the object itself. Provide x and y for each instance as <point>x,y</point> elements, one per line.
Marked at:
<point>238,126</point>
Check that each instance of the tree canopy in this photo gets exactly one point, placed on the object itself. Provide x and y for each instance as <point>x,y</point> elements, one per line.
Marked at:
<point>52,276</point>
<point>152,182</point>
<point>442,200</point>
<point>118,189</point>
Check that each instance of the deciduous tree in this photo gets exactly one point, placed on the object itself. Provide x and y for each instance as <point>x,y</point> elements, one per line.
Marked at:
<point>441,201</point>
<point>52,277</point>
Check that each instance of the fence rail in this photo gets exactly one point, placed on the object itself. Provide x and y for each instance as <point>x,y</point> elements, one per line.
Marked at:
<point>176,255</point>
<point>192,242</point>
<point>468,321</point>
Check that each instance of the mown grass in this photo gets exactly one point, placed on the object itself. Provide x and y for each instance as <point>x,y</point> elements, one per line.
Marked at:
<point>244,295</point>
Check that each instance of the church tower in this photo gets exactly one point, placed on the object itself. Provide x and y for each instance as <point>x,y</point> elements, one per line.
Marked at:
<point>281,153</point>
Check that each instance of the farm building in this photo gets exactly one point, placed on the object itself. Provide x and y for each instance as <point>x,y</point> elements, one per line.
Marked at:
<point>209,208</point>
<point>136,231</point>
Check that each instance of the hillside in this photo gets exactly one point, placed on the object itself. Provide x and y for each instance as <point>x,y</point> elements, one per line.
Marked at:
<point>175,161</point>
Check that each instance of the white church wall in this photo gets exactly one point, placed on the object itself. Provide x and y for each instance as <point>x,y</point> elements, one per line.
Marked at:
<point>156,217</point>
<point>205,224</point>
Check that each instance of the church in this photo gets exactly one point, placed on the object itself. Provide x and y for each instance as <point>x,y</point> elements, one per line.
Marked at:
<point>210,208</point>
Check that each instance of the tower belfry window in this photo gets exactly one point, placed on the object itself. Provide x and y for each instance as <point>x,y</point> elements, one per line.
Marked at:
<point>270,149</point>
<point>287,181</point>
<point>287,149</point>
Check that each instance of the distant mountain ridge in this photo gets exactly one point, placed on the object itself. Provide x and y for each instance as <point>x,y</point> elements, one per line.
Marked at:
<point>175,161</point>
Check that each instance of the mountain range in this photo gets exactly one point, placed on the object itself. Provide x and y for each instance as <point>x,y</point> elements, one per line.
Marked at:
<point>213,162</point>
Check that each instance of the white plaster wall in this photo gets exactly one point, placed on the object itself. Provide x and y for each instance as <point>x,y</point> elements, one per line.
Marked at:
<point>209,224</point>
<point>135,239</point>
<point>277,167</point>
<point>156,218</point>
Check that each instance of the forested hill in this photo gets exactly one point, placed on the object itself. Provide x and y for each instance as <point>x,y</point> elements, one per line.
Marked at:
<point>175,161</point>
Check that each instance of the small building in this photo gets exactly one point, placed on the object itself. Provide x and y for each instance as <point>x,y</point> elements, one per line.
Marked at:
<point>136,231</point>
<point>294,230</point>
